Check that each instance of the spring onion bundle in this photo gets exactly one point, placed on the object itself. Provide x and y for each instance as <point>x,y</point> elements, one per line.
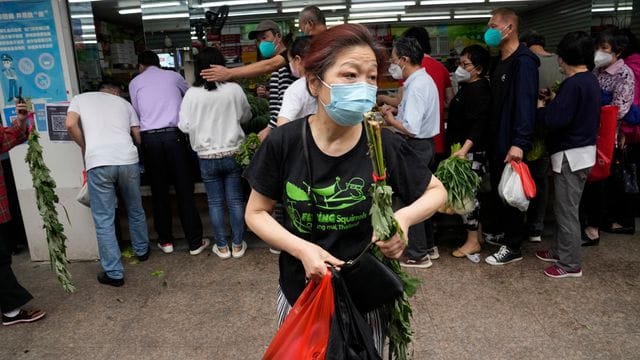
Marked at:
<point>384,227</point>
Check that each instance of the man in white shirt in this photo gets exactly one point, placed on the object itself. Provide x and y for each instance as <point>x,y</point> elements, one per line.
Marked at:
<point>111,159</point>
<point>418,120</point>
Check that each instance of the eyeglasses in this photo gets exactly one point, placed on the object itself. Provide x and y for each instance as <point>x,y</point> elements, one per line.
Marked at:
<point>464,64</point>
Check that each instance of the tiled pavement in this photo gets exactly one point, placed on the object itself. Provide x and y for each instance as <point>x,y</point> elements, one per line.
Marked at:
<point>207,308</point>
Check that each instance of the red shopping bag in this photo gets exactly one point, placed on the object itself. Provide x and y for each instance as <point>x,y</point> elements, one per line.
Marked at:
<point>305,331</point>
<point>528,185</point>
<point>605,142</point>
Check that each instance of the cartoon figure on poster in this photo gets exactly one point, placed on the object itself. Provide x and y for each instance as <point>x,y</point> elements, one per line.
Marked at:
<point>10,76</point>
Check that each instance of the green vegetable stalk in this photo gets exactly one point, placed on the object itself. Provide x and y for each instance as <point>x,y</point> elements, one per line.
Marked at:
<point>46,198</point>
<point>461,183</point>
<point>384,227</point>
<point>247,149</point>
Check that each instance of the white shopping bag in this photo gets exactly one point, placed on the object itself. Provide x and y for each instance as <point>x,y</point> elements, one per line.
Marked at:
<point>510,189</point>
<point>83,194</point>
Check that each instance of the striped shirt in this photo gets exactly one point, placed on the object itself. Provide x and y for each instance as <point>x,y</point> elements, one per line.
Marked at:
<point>278,84</point>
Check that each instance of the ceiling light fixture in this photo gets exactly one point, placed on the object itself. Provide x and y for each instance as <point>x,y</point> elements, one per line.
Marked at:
<point>608,9</point>
<point>82,16</point>
<point>374,14</point>
<point>365,21</point>
<point>382,4</point>
<point>129,11</point>
<point>472,16</point>
<point>425,18</point>
<point>327,7</point>
<point>449,2</point>
<point>230,3</point>
<point>160,4</point>
<point>252,12</point>
<point>165,16</point>
<point>626,8</point>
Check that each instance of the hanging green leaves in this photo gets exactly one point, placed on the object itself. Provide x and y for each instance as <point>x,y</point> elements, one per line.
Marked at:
<point>46,200</point>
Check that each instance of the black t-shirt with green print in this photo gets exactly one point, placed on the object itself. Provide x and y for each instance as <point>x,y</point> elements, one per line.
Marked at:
<point>340,187</point>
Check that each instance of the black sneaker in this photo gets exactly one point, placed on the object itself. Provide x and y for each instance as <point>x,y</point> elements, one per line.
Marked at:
<point>145,256</point>
<point>23,316</point>
<point>103,278</point>
<point>503,256</point>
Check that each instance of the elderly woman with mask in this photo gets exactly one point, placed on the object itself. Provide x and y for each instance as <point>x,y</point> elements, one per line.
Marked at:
<point>342,68</point>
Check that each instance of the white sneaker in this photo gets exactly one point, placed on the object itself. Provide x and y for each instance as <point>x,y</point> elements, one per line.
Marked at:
<point>535,238</point>
<point>166,248</point>
<point>221,255</point>
<point>205,244</point>
<point>238,253</point>
<point>433,253</point>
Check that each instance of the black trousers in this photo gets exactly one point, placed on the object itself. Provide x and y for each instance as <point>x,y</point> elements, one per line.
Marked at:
<point>420,235</point>
<point>12,294</point>
<point>167,161</point>
<point>510,220</point>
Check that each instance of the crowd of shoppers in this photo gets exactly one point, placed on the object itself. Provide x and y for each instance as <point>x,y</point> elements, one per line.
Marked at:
<point>525,105</point>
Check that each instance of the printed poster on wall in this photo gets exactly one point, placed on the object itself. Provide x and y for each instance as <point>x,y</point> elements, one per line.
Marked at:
<point>56,116</point>
<point>29,52</point>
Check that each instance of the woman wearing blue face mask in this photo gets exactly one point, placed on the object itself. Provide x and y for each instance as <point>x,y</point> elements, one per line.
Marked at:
<point>467,125</point>
<point>342,67</point>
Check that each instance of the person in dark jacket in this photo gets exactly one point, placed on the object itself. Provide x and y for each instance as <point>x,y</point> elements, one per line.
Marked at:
<point>572,118</point>
<point>514,89</point>
<point>467,125</point>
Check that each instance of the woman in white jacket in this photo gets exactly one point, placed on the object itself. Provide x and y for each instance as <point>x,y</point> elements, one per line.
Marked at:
<point>211,113</point>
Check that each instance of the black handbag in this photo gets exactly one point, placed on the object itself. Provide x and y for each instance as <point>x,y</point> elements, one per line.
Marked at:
<point>626,174</point>
<point>370,282</point>
<point>350,337</point>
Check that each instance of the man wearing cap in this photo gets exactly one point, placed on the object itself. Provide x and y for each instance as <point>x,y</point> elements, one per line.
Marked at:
<point>156,95</point>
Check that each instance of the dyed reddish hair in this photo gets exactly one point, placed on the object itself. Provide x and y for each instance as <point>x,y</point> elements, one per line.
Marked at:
<point>326,46</point>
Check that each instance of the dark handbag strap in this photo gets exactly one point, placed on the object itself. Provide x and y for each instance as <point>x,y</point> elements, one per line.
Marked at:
<point>307,160</point>
<point>305,151</point>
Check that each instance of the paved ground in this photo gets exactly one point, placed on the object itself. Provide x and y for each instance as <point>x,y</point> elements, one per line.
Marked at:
<point>207,308</point>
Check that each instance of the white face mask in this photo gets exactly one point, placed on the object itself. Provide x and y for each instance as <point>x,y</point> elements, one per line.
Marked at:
<point>602,59</point>
<point>396,71</point>
<point>462,75</point>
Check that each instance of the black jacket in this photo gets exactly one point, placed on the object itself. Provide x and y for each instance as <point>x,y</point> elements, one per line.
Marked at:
<point>513,122</point>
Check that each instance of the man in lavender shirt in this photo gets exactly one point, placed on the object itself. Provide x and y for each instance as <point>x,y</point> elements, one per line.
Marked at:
<point>156,95</point>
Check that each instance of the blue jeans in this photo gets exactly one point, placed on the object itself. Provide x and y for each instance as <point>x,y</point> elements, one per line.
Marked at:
<point>103,182</point>
<point>222,181</point>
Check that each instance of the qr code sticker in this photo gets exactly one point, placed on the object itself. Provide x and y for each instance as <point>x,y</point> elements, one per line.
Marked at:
<point>58,123</point>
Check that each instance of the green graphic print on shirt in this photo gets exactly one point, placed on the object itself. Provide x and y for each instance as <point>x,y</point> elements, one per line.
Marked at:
<point>331,201</point>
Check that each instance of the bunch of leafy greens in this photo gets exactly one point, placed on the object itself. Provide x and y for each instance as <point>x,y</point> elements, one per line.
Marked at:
<point>460,180</point>
<point>384,227</point>
<point>47,199</point>
<point>260,111</point>
<point>247,150</point>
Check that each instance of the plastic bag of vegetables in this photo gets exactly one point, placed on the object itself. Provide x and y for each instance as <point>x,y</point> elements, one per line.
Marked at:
<point>461,183</point>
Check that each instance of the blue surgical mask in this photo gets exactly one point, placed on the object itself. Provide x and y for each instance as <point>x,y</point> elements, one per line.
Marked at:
<point>267,49</point>
<point>349,102</point>
<point>493,37</point>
